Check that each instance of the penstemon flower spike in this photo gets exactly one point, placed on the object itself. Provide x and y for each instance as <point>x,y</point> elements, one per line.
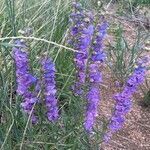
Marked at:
<point>123,101</point>
<point>48,68</point>
<point>81,36</point>
<point>24,79</point>
<point>95,77</point>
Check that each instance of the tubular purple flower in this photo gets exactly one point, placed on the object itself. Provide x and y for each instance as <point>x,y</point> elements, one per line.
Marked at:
<point>81,37</point>
<point>123,100</point>
<point>93,97</point>
<point>98,53</point>
<point>48,68</point>
<point>95,78</point>
<point>24,79</point>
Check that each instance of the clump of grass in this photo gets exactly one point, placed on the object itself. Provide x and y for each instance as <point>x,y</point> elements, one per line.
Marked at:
<point>122,57</point>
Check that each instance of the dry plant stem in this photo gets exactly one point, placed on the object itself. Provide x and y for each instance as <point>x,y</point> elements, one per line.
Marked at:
<point>39,39</point>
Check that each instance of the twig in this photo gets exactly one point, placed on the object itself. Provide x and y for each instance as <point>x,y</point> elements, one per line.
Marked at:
<point>39,39</point>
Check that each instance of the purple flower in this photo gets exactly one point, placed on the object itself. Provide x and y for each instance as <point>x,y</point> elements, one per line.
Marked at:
<point>100,56</point>
<point>98,53</point>
<point>116,123</point>
<point>123,103</point>
<point>27,105</point>
<point>48,68</point>
<point>93,97</point>
<point>80,39</point>
<point>25,80</point>
<point>95,78</point>
<point>89,30</point>
<point>123,99</point>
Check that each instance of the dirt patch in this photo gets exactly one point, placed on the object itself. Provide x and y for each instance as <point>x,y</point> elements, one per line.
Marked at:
<point>135,134</point>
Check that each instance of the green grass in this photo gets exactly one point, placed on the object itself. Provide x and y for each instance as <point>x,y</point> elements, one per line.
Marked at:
<point>122,56</point>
